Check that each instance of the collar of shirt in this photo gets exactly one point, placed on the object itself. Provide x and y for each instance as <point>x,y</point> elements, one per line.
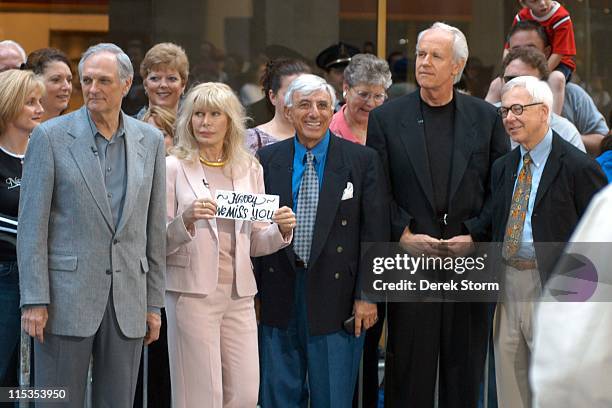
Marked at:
<point>120,132</point>
<point>341,128</point>
<point>553,10</point>
<point>319,151</point>
<point>540,152</point>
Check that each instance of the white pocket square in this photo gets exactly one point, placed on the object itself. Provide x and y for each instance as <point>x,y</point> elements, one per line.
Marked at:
<point>348,191</point>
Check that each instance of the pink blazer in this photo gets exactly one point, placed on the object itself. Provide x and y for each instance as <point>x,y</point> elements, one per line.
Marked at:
<point>192,261</point>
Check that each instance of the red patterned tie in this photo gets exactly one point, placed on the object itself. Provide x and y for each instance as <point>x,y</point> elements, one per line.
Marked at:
<point>518,210</point>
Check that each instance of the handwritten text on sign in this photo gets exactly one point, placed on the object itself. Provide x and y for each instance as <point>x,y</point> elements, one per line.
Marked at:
<point>246,206</point>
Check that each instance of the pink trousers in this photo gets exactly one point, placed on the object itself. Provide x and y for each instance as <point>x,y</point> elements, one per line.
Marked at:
<point>212,345</point>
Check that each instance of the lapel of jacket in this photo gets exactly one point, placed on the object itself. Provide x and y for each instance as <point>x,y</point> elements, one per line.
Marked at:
<point>135,156</point>
<point>82,150</point>
<point>199,185</point>
<point>552,167</point>
<point>413,139</point>
<point>335,177</point>
<point>279,181</point>
<point>464,141</point>
<point>510,168</point>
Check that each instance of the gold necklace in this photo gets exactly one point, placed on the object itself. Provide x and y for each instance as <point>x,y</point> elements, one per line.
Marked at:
<point>219,163</point>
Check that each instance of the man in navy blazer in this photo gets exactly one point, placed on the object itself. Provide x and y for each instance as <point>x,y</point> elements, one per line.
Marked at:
<point>304,350</point>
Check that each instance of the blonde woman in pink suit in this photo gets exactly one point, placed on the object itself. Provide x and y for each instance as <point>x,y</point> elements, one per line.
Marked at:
<point>212,331</point>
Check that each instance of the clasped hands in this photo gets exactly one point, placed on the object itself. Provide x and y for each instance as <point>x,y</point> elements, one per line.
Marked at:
<point>417,244</point>
<point>206,208</point>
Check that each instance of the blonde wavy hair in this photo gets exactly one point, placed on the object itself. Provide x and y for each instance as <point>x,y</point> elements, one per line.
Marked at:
<point>165,118</point>
<point>16,86</point>
<point>213,96</point>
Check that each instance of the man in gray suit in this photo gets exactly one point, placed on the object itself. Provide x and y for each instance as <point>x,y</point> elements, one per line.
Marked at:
<point>91,238</point>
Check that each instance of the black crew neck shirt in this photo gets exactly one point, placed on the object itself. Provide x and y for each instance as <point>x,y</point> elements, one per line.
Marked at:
<point>439,124</point>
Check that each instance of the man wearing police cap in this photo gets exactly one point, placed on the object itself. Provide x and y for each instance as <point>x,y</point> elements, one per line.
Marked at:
<point>333,60</point>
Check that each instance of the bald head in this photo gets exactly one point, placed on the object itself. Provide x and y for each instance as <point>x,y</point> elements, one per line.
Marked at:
<point>11,55</point>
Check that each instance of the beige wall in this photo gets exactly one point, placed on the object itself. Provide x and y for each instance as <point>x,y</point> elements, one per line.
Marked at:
<point>486,36</point>
<point>31,30</point>
<point>217,12</point>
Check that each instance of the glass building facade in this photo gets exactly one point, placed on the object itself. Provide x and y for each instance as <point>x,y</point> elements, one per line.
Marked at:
<point>228,40</point>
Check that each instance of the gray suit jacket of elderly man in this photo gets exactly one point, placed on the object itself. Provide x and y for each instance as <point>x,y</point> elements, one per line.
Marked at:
<point>69,250</point>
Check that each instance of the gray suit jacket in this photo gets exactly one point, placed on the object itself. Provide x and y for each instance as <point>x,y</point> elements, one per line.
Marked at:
<point>69,250</point>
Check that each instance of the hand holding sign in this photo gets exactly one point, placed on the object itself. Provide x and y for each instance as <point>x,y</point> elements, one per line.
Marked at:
<point>285,218</point>
<point>202,208</point>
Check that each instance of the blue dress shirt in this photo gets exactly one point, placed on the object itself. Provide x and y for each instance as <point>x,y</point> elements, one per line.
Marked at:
<point>539,155</point>
<point>299,163</point>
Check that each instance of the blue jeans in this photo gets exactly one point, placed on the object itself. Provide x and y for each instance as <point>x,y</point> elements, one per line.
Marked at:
<point>10,322</point>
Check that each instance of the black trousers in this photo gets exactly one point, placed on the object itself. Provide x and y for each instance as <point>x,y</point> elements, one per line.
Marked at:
<point>419,334</point>
<point>369,389</point>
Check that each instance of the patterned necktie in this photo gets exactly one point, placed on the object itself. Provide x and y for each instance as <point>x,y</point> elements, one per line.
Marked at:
<point>518,210</point>
<point>308,198</point>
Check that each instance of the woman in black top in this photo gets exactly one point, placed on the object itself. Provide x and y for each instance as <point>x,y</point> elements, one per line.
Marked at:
<point>20,111</point>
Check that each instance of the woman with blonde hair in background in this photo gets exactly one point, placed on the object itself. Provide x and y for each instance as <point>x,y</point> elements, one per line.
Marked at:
<point>212,331</point>
<point>20,111</point>
<point>163,119</point>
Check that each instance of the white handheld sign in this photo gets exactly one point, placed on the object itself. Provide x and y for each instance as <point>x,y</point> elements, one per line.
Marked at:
<point>246,206</point>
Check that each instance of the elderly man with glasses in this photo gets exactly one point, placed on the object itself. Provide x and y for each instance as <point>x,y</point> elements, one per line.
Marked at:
<point>530,61</point>
<point>539,191</point>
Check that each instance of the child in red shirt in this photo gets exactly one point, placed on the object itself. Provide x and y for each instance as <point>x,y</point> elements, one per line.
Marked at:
<point>558,24</point>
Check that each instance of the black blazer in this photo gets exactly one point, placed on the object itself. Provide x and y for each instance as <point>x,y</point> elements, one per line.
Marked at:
<point>396,131</point>
<point>569,180</point>
<point>340,228</point>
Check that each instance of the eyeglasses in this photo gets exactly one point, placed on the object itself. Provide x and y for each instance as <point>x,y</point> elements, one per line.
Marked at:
<point>508,78</point>
<point>365,96</point>
<point>517,109</point>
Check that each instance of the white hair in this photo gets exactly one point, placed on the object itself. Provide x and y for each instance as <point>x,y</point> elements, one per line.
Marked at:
<point>307,84</point>
<point>460,48</point>
<point>19,48</point>
<point>537,89</point>
<point>124,65</point>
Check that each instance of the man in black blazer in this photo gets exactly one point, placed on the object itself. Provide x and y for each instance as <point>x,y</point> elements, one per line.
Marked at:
<point>540,190</point>
<point>437,146</point>
<point>309,289</point>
